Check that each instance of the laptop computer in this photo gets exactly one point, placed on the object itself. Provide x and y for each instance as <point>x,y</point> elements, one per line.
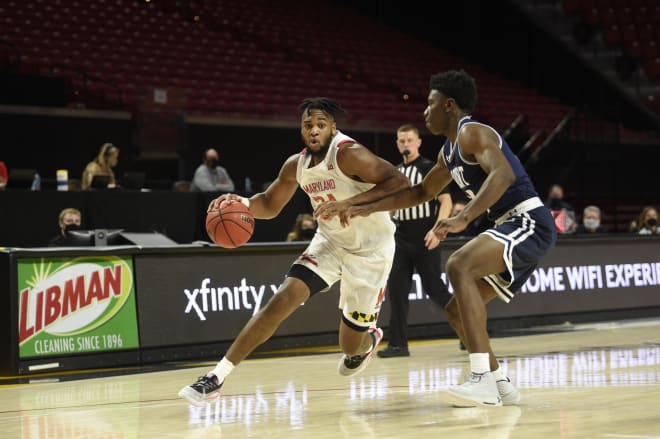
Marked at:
<point>20,178</point>
<point>133,180</point>
<point>100,181</point>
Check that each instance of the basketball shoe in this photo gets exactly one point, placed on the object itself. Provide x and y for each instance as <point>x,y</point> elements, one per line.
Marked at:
<point>357,363</point>
<point>394,351</point>
<point>478,389</point>
<point>509,394</point>
<point>201,391</point>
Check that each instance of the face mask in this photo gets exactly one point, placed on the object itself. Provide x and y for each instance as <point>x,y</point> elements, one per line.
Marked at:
<point>555,203</point>
<point>651,222</point>
<point>591,223</point>
<point>70,227</point>
<point>307,233</point>
<point>212,163</point>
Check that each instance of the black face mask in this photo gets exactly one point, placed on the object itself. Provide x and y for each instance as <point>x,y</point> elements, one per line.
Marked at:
<point>70,227</point>
<point>651,222</point>
<point>555,203</point>
<point>212,163</point>
<point>307,234</point>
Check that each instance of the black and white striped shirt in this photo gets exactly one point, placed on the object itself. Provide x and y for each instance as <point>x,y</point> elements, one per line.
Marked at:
<point>415,171</point>
<point>417,220</point>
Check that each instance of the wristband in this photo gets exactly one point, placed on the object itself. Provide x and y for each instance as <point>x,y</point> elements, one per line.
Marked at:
<point>246,202</point>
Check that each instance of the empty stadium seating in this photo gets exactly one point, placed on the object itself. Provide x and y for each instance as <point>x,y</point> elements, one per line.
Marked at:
<point>248,59</point>
<point>632,25</point>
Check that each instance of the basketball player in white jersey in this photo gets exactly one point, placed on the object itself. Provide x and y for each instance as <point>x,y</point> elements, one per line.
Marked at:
<point>332,167</point>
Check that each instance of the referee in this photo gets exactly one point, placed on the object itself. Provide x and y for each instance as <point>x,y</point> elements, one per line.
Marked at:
<point>416,245</point>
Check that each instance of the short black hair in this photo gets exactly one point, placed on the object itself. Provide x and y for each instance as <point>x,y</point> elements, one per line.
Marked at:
<point>327,105</point>
<point>458,85</point>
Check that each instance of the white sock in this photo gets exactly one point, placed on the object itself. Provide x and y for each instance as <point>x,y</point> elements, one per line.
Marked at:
<point>222,369</point>
<point>499,374</point>
<point>480,362</point>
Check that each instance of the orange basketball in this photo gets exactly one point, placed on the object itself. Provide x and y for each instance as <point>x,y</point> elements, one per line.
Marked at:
<point>230,226</point>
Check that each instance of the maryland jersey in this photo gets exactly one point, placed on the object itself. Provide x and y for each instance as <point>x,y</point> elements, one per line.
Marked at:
<point>326,182</point>
<point>470,177</point>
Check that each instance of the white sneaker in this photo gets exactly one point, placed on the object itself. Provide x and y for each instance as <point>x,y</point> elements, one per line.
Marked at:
<point>357,363</point>
<point>509,394</point>
<point>479,389</point>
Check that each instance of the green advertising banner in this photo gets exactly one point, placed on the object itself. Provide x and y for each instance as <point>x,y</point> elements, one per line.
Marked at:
<point>72,306</point>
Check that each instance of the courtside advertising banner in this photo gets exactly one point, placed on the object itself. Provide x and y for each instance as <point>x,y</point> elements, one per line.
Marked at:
<point>201,298</point>
<point>577,275</point>
<point>76,305</point>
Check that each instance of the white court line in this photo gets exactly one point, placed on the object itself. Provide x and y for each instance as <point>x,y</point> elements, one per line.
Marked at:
<point>632,436</point>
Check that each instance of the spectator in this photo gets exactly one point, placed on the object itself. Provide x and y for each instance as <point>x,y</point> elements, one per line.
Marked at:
<point>648,222</point>
<point>303,229</point>
<point>102,165</point>
<point>591,218</point>
<point>562,212</point>
<point>210,176</point>
<point>4,175</point>
<point>69,219</point>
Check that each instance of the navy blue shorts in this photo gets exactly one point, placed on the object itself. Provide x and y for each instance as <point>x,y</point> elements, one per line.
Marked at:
<point>527,237</point>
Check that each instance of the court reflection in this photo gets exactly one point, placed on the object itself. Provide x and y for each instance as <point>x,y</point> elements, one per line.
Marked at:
<point>289,406</point>
<point>593,368</point>
<point>73,410</point>
<point>284,407</point>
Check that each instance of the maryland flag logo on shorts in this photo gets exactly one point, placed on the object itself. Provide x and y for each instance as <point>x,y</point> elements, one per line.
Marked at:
<point>362,317</point>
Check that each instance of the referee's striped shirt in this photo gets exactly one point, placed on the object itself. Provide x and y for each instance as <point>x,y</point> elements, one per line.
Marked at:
<point>421,211</point>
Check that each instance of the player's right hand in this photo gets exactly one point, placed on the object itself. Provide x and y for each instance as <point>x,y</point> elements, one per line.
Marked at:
<point>215,204</point>
<point>353,211</point>
<point>455,224</point>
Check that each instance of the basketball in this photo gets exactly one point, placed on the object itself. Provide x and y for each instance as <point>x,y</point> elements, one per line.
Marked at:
<point>231,225</point>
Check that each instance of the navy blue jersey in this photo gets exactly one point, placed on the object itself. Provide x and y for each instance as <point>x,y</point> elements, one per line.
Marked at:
<point>470,177</point>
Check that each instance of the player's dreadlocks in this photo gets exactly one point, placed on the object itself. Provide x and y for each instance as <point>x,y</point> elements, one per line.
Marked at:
<point>327,105</point>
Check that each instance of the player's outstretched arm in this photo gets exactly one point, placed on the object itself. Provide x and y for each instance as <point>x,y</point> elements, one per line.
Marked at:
<point>359,163</point>
<point>268,204</point>
<point>434,181</point>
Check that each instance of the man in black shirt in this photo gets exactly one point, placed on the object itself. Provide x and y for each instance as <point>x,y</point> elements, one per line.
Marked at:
<point>417,247</point>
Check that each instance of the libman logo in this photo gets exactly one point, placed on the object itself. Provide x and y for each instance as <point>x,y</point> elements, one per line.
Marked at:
<point>67,306</point>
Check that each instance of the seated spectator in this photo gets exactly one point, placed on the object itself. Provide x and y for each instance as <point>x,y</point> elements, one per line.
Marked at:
<point>210,176</point>
<point>4,175</point>
<point>632,228</point>
<point>69,219</point>
<point>591,218</point>
<point>303,229</point>
<point>102,165</point>
<point>562,212</point>
<point>648,222</point>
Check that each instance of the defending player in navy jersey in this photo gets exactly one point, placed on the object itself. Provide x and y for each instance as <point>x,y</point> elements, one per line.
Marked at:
<point>332,166</point>
<point>495,263</point>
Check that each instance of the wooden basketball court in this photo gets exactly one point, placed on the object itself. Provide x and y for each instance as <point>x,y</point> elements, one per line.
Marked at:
<point>585,381</point>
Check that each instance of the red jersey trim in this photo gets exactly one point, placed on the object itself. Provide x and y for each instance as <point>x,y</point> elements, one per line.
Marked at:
<point>345,141</point>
